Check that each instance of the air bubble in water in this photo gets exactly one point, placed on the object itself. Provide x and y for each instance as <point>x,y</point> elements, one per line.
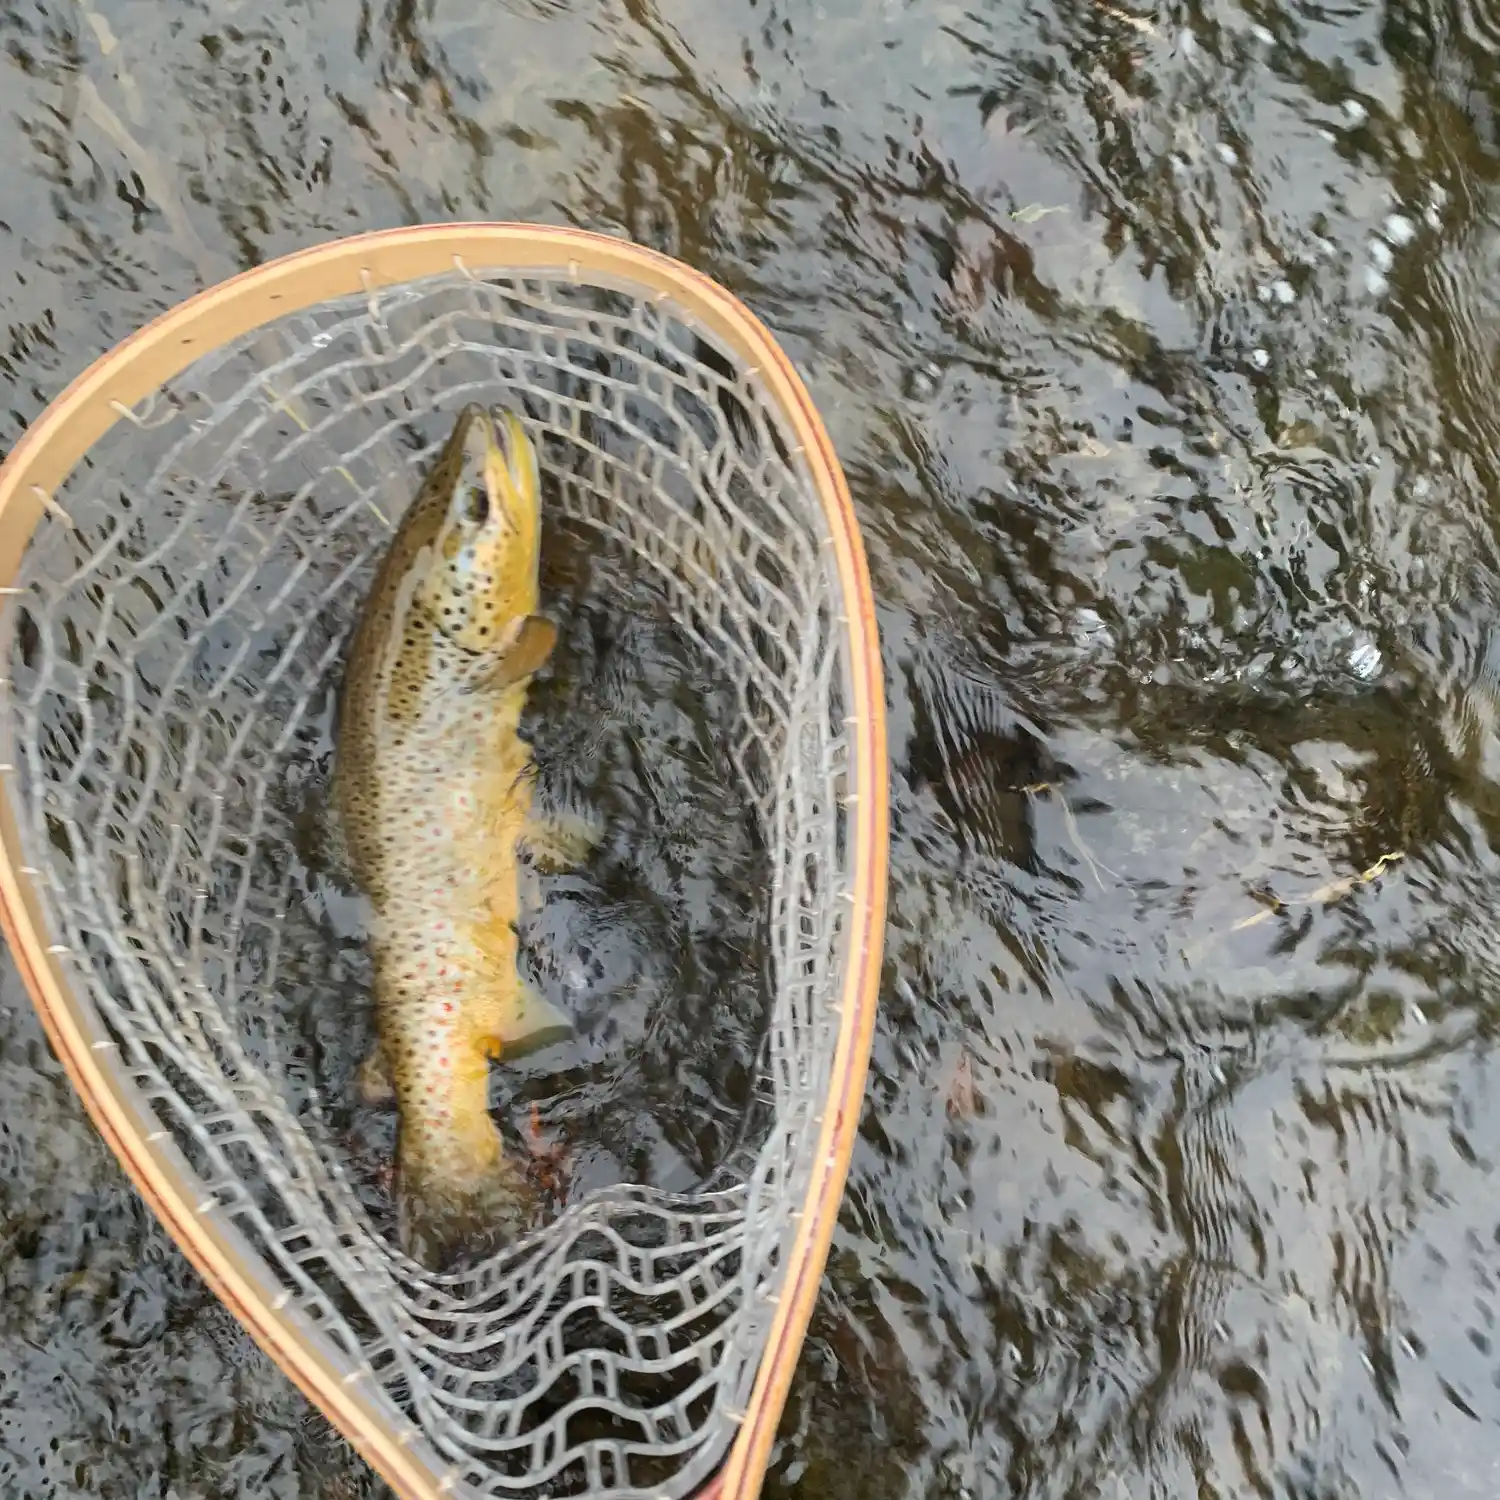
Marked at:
<point>1089,629</point>
<point>1364,659</point>
<point>920,383</point>
<point>1399,230</point>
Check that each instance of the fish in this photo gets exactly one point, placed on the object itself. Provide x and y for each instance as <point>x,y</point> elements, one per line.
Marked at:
<point>434,790</point>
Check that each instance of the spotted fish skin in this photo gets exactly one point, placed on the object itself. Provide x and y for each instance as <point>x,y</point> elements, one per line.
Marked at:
<point>432,786</point>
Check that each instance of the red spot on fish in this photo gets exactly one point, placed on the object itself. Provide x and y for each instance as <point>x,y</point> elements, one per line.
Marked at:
<point>447,1007</point>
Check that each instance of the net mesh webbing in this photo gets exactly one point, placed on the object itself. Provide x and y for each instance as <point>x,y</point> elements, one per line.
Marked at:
<point>177,637</point>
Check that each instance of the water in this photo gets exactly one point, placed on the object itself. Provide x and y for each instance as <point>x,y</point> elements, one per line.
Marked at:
<point>1157,344</point>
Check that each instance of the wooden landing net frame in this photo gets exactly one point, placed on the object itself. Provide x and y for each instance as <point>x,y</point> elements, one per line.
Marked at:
<point>163,646</point>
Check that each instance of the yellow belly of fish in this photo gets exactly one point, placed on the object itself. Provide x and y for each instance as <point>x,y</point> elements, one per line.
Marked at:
<point>445,811</point>
<point>444,993</point>
<point>447,988</point>
<point>447,994</point>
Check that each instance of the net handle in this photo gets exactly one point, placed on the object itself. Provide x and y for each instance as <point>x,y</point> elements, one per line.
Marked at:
<point>106,393</point>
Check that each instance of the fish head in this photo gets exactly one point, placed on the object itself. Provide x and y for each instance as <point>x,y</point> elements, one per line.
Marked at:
<point>481,576</point>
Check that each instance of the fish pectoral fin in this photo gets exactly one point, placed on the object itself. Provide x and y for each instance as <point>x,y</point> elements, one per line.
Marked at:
<point>535,638</point>
<point>558,839</point>
<point>531,1022</point>
<point>374,1077</point>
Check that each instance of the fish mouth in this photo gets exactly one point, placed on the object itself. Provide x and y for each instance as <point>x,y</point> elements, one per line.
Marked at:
<point>510,469</point>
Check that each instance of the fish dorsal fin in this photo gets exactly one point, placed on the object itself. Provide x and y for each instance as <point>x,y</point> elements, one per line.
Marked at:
<point>533,644</point>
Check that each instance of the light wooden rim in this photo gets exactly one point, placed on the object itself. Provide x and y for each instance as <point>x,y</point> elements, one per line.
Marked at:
<point>45,456</point>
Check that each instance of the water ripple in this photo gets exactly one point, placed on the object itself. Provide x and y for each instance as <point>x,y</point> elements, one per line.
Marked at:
<point>1157,344</point>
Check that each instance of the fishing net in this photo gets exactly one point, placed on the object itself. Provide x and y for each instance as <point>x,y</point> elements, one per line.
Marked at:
<point>177,626</point>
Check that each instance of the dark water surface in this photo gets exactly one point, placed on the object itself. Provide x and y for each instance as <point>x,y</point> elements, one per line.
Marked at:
<point>1159,345</point>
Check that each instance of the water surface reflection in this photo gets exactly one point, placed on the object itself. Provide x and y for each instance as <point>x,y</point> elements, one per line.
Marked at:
<point>1158,344</point>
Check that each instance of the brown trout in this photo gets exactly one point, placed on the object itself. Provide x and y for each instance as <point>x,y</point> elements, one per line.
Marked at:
<point>433,787</point>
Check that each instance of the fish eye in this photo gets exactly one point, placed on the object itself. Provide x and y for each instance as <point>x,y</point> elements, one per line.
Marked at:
<point>474,505</point>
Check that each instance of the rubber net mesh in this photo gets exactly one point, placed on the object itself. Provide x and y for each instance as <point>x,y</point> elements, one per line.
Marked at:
<point>177,644</point>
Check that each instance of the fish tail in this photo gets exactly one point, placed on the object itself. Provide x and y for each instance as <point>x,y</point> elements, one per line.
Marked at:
<point>453,1203</point>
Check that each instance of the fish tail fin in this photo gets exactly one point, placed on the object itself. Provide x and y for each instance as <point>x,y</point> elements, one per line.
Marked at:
<point>446,1211</point>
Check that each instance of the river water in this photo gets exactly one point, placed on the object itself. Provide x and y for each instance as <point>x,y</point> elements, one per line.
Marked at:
<point>1158,344</point>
